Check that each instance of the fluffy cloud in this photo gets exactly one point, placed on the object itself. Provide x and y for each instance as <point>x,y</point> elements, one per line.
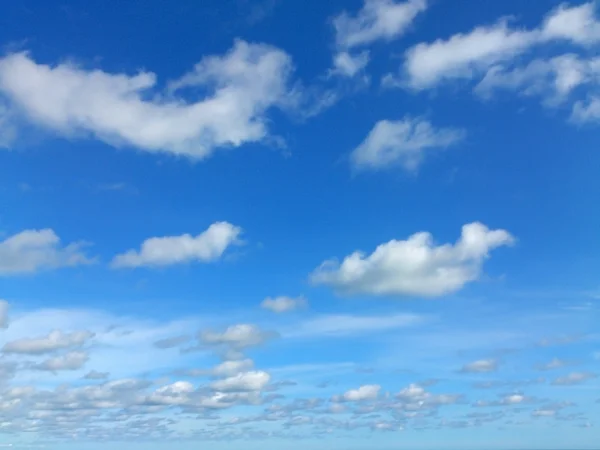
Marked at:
<point>283,304</point>
<point>481,366</point>
<point>165,251</point>
<point>415,266</point>
<point>377,20</point>
<point>33,250</point>
<point>246,381</point>
<point>56,340</point>
<point>401,143</point>
<point>468,55</point>
<point>120,109</point>
<point>69,361</point>
<point>366,392</point>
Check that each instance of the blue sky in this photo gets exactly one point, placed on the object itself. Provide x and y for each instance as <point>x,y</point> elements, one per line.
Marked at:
<point>299,224</point>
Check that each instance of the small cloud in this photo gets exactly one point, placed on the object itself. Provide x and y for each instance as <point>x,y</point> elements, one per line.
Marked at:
<point>283,304</point>
<point>481,366</point>
<point>574,378</point>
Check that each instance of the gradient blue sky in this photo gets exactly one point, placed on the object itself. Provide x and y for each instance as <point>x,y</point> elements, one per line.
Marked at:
<point>341,224</point>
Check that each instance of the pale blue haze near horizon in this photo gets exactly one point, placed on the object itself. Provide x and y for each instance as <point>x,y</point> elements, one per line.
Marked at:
<point>300,224</point>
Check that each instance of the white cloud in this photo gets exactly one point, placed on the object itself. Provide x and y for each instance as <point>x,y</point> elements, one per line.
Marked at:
<point>33,250</point>
<point>348,64</point>
<point>553,79</point>
<point>207,246</point>
<point>4,306</point>
<point>283,304</point>
<point>469,55</point>
<point>415,266</point>
<point>341,325</point>
<point>237,336</point>
<point>69,361</point>
<point>574,378</point>
<point>481,366</point>
<point>121,109</point>
<point>401,143</point>
<point>232,368</point>
<point>554,364</point>
<point>56,340</point>
<point>377,20</point>
<point>246,381</point>
<point>366,392</point>
<point>95,375</point>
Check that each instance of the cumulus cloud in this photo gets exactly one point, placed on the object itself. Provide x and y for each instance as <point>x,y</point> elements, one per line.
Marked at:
<point>283,304</point>
<point>366,392</point>
<point>377,20</point>
<point>415,266</point>
<point>205,247</point>
<point>56,340</point>
<point>246,381</point>
<point>468,55</point>
<point>401,143</point>
<point>481,366</point>
<point>33,250</point>
<point>127,110</point>
<point>350,64</point>
<point>69,361</point>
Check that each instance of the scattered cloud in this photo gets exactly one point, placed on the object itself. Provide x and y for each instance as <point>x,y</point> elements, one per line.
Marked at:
<point>348,64</point>
<point>481,366</point>
<point>367,392</point>
<point>552,365</point>
<point>283,304</point>
<point>246,381</point>
<point>127,110</point>
<point>237,336</point>
<point>574,378</point>
<point>377,20</point>
<point>416,266</point>
<point>172,342</point>
<point>469,55</point>
<point>69,361</point>
<point>341,325</point>
<point>56,340</point>
<point>206,247</point>
<point>95,375</point>
<point>31,251</point>
<point>402,143</point>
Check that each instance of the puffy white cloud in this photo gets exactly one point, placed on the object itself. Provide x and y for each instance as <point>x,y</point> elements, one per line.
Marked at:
<point>574,378</point>
<point>32,250</point>
<point>401,143</point>
<point>69,361</point>
<point>165,251</point>
<point>120,109</point>
<point>468,55</point>
<point>414,266</point>
<point>481,366</point>
<point>377,20</point>
<point>172,394</point>
<point>366,392</point>
<point>283,304</point>
<point>237,336</point>
<point>56,340</point>
<point>232,368</point>
<point>246,381</point>
<point>4,314</point>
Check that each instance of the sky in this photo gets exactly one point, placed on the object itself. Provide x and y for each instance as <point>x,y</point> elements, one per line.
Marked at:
<point>300,224</point>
